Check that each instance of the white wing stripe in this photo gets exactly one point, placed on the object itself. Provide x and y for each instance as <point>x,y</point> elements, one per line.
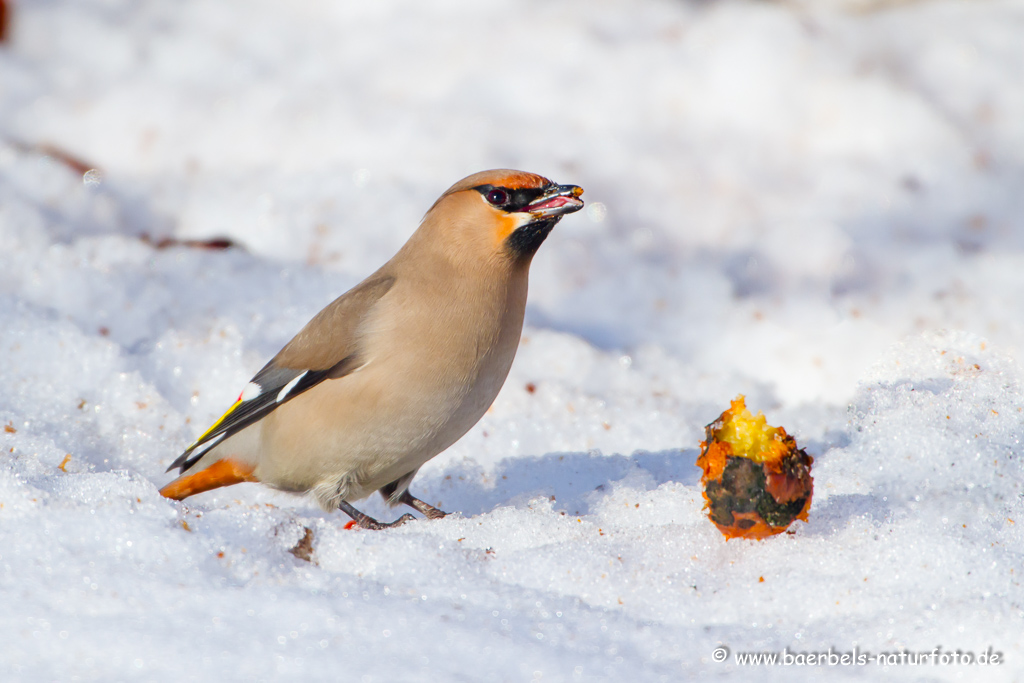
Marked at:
<point>201,450</point>
<point>291,385</point>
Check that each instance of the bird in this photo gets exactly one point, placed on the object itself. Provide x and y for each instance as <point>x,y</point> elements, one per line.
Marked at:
<point>398,368</point>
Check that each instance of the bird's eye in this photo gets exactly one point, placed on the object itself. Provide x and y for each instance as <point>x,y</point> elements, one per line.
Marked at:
<point>497,196</point>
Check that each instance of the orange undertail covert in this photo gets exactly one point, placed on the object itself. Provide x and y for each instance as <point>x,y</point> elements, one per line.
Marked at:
<point>221,473</point>
<point>756,481</point>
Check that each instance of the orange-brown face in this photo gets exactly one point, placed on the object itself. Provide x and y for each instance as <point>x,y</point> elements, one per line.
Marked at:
<point>522,207</point>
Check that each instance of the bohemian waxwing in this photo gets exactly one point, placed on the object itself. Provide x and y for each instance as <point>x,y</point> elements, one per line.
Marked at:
<point>398,368</point>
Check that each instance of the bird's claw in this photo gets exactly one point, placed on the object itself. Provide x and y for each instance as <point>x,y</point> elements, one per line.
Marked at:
<point>364,521</point>
<point>368,522</point>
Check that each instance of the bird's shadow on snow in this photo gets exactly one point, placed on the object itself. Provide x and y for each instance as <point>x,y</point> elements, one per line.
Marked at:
<point>574,479</point>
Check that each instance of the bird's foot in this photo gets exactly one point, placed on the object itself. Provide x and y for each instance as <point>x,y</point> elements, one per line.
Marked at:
<point>424,508</point>
<point>364,521</point>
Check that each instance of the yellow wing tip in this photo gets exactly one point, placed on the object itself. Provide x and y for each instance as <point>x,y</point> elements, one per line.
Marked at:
<point>216,424</point>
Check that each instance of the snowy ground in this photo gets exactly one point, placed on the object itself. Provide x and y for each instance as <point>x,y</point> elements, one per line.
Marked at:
<point>799,201</point>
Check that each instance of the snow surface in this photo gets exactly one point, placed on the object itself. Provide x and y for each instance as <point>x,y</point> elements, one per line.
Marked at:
<point>816,203</point>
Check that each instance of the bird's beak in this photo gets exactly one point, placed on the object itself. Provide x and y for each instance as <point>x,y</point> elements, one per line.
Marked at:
<point>557,200</point>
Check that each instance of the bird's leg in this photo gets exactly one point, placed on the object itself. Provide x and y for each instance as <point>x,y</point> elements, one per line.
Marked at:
<point>388,492</point>
<point>426,509</point>
<point>364,521</point>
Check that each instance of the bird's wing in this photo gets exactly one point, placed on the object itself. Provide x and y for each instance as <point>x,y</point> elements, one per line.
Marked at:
<point>328,347</point>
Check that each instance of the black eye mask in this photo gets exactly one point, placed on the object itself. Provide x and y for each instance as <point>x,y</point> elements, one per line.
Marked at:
<point>510,201</point>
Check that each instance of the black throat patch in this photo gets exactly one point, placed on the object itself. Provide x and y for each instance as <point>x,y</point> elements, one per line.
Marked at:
<point>525,241</point>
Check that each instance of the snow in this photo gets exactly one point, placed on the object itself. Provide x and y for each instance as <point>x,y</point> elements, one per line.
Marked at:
<point>815,204</point>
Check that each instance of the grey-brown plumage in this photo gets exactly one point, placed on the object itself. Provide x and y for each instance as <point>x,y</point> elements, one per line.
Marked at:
<point>400,367</point>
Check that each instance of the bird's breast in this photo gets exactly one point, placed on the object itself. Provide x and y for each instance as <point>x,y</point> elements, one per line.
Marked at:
<point>459,356</point>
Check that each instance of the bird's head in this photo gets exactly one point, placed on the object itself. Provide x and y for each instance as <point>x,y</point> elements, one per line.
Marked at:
<point>505,212</point>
